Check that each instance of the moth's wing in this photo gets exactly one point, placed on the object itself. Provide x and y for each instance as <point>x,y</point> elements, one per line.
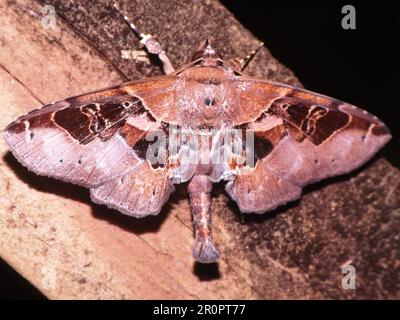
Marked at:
<point>91,138</point>
<point>300,138</point>
<point>261,190</point>
<point>140,192</point>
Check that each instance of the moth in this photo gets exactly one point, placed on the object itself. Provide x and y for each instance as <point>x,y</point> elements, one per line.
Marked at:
<point>104,140</point>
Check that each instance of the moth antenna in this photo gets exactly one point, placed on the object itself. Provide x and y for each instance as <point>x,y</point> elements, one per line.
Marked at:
<point>244,62</point>
<point>151,44</point>
<point>200,202</point>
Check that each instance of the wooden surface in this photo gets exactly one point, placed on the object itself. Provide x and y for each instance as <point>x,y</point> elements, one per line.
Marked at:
<point>68,247</point>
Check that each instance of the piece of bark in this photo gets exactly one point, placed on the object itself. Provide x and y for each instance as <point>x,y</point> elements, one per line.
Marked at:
<point>70,248</point>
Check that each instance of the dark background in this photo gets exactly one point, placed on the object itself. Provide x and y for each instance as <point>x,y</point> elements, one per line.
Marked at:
<point>357,66</point>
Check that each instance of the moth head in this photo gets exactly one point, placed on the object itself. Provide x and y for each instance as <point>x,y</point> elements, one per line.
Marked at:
<point>206,55</point>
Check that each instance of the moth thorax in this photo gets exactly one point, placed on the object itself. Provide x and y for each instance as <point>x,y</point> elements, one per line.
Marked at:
<point>207,55</point>
<point>211,62</point>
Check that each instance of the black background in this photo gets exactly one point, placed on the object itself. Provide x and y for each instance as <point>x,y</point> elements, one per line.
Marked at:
<point>357,66</point>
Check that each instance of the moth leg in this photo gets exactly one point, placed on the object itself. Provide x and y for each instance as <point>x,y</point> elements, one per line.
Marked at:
<point>200,201</point>
<point>241,63</point>
<point>151,44</point>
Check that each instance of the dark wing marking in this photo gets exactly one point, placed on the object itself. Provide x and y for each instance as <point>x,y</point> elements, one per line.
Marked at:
<point>301,138</point>
<point>91,138</point>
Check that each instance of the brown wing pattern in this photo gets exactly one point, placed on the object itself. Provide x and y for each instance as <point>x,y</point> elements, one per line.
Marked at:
<point>300,138</point>
<point>96,139</point>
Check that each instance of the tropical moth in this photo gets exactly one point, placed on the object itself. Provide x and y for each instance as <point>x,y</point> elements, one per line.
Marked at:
<point>203,123</point>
